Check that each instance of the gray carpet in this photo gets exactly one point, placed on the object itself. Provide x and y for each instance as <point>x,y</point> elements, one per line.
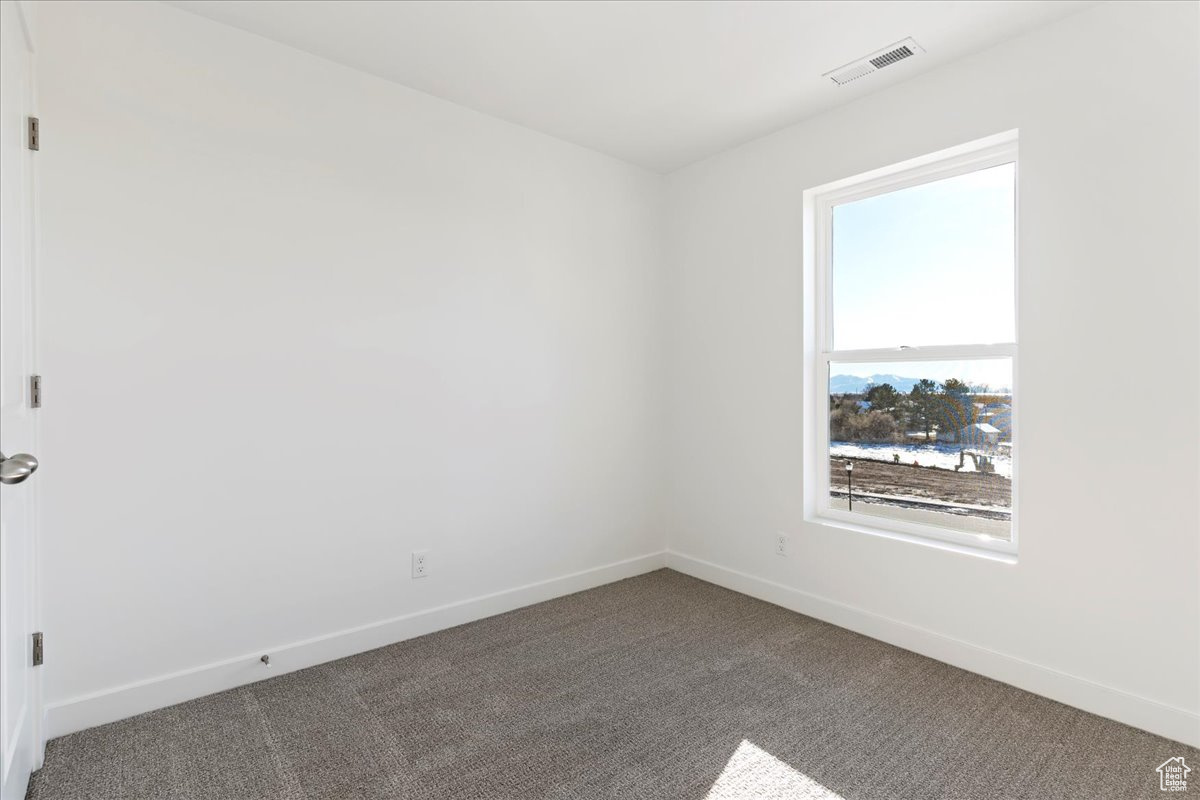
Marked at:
<point>660,686</point>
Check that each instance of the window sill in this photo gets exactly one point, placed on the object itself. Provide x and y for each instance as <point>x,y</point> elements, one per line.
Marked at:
<point>1007,555</point>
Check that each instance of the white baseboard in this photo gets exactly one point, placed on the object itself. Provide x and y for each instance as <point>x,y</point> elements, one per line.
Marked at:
<point>1140,712</point>
<point>110,705</point>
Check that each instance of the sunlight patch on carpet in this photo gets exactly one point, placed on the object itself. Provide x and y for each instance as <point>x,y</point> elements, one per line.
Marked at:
<point>754,774</point>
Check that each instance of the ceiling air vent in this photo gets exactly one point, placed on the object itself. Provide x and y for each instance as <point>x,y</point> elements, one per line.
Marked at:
<point>875,61</point>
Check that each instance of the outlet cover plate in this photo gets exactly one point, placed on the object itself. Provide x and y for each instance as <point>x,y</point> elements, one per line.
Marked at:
<point>420,563</point>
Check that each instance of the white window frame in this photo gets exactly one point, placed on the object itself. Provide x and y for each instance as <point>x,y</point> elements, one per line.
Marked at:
<point>819,203</point>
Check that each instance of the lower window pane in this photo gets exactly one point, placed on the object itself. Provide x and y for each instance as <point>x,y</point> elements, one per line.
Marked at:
<point>928,442</point>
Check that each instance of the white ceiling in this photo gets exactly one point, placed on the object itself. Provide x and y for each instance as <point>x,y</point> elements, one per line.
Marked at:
<point>660,84</point>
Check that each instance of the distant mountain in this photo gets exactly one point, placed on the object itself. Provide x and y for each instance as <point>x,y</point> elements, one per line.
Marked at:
<point>855,384</point>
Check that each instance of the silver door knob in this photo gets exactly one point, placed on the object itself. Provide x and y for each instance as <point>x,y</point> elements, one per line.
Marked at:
<point>17,468</point>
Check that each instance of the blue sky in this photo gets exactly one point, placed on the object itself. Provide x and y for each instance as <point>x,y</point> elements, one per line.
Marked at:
<point>928,265</point>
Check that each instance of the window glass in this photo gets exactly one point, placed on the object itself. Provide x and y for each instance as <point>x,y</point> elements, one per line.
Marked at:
<point>929,442</point>
<point>927,265</point>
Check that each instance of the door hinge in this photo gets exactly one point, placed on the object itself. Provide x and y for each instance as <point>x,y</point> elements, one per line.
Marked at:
<point>34,134</point>
<point>37,649</point>
<point>35,391</point>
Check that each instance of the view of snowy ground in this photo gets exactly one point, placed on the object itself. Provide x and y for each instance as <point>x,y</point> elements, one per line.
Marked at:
<point>927,455</point>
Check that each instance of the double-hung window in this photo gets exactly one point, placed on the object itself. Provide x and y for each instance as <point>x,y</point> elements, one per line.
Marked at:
<point>911,348</point>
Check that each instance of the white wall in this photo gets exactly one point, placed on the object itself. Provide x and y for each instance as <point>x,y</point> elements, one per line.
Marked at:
<point>1107,588</point>
<point>298,322</point>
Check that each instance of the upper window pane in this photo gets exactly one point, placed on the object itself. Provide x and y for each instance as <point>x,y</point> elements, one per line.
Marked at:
<point>928,265</point>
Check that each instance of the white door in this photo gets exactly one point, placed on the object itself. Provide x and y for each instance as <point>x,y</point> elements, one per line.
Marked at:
<point>20,707</point>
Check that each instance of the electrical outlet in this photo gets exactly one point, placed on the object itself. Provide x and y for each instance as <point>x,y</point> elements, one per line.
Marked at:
<point>420,563</point>
<point>781,544</point>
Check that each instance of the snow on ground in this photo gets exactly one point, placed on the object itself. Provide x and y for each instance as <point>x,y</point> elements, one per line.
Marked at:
<point>927,455</point>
